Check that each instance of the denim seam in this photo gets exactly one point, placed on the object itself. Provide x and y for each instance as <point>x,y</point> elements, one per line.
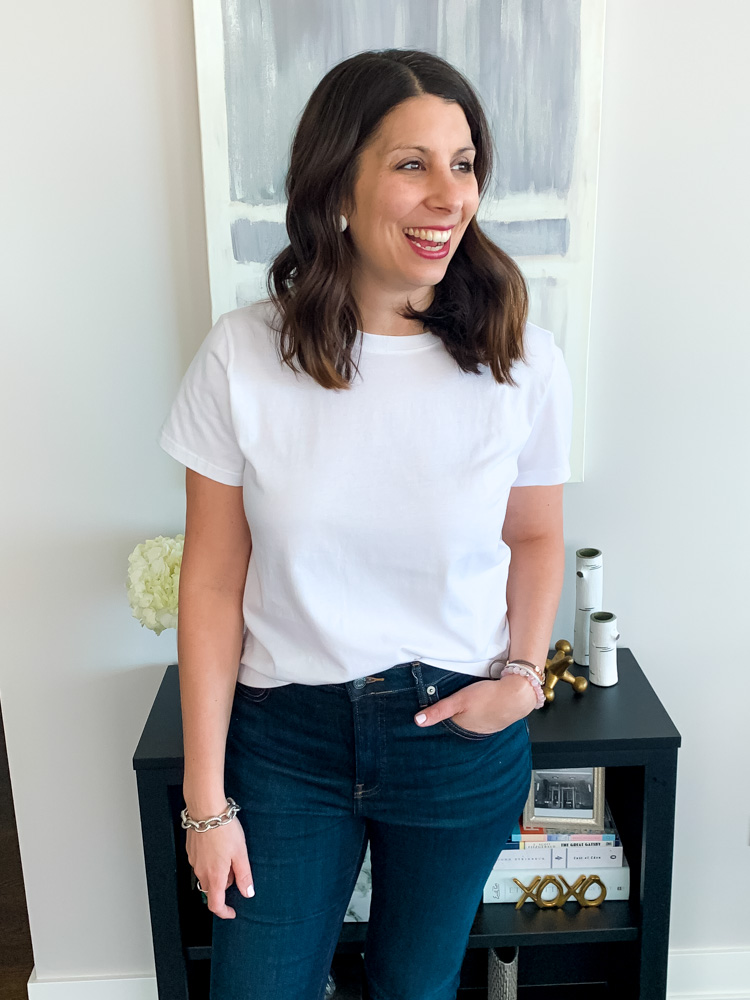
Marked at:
<point>467,734</point>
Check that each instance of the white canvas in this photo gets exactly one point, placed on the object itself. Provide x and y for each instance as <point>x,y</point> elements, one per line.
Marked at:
<point>538,70</point>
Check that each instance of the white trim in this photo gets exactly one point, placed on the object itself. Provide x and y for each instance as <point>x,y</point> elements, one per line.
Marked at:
<point>114,988</point>
<point>709,974</point>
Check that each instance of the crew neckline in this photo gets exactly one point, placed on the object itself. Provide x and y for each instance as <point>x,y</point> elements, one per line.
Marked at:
<point>376,343</point>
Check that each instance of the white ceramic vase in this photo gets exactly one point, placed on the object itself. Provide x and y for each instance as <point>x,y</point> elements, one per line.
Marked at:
<point>589,587</point>
<point>603,638</point>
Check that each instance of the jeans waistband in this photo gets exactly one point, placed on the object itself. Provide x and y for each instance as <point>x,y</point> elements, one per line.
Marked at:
<point>414,674</point>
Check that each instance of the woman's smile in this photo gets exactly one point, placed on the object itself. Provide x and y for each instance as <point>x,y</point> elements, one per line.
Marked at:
<point>429,246</point>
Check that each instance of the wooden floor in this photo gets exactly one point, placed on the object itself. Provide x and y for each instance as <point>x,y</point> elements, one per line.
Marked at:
<point>16,957</point>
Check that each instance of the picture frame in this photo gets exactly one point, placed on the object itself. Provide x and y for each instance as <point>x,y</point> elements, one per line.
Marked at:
<point>566,798</point>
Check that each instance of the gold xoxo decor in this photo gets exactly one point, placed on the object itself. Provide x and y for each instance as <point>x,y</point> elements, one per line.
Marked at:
<point>564,891</point>
<point>557,670</point>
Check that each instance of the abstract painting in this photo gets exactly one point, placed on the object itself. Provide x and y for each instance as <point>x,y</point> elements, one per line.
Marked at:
<point>537,67</point>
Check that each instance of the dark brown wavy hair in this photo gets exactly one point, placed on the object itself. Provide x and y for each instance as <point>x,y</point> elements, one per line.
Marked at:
<point>479,309</point>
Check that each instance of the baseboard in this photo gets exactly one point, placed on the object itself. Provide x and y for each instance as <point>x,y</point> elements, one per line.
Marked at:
<point>711,974</point>
<point>716,974</point>
<point>115,988</point>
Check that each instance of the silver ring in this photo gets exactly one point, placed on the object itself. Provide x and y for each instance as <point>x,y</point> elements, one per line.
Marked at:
<point>200,887</point>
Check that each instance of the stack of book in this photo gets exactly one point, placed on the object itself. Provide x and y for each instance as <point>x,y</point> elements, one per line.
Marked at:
<point>571,853</point>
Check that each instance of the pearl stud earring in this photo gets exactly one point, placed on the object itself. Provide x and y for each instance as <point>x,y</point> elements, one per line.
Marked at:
<point>343,223</point>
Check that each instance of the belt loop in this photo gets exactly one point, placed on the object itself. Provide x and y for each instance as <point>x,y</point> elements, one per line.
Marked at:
<point>416,670</point>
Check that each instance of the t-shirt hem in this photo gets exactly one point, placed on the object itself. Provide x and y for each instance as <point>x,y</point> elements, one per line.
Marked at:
<point>548,477</point>
<point>198,464</point>
<point>250,677</point>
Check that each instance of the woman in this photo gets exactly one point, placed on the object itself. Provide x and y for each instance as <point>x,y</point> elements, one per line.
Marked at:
<point>364,451</point>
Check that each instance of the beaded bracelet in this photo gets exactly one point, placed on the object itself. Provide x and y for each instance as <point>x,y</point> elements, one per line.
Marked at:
<point>520,668</point>
<point>527,663</point>
<point>531,677</point>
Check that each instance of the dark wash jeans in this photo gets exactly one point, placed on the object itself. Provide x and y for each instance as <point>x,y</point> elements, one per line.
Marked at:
<point>321,769</point>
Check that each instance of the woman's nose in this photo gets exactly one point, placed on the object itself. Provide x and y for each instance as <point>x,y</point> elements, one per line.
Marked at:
<point>446,191</point>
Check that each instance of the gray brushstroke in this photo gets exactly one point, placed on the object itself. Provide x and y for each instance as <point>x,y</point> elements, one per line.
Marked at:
<point>529,79</point>
<point>259,242</point>
<point>536,238</point>
<point>525,59</point>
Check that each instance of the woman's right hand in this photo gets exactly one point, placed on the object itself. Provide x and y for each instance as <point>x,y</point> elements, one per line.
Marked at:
<point>219,857</point>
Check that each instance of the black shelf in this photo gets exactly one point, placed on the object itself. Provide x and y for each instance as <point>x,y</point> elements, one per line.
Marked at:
<point>618,949</point>
<point>502,925</point>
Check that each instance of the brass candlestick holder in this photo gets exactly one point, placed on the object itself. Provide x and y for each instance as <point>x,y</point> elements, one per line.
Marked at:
<point>557,669</point>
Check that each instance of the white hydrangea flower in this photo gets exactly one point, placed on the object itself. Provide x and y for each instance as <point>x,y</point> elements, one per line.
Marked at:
<point>154,581</point>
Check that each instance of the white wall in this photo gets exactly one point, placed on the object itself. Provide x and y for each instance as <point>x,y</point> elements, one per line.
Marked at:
<point>105,301</point>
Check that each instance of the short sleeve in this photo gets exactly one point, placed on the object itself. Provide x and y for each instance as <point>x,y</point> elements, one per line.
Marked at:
<point>199,430</point>
<point>544,459</point>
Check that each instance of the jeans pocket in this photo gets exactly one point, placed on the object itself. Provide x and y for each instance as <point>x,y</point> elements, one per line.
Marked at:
<point>467,734</point>
<point>253,694</point>
<point>449,684</point>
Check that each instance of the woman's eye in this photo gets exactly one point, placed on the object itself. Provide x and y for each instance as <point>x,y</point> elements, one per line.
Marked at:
<point>466,166</point>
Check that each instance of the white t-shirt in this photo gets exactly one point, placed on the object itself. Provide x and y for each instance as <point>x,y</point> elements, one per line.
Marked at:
<point>376,512</point>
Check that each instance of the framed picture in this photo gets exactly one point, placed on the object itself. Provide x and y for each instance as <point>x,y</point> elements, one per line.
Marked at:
<point>566,798</point>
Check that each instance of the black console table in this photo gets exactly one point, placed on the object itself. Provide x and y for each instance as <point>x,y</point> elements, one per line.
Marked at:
<point>616,950</point>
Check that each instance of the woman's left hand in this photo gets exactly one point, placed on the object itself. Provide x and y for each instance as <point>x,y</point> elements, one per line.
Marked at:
<point>485,706</point>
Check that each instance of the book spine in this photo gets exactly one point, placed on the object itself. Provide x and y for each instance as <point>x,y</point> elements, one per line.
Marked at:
<point>563,837</point>
<point>500,887</point>
<point>511,859</point>
<point>568,857</point>
<point>601,857</point>
<point>561,856</point>
<point>534,845</point>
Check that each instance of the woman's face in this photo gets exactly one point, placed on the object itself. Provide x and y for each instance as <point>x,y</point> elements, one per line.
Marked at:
<point>416,174</point>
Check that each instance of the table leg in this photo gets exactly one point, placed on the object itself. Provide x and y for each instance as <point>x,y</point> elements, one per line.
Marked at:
<point>660,785</point>
<point>160,852</point>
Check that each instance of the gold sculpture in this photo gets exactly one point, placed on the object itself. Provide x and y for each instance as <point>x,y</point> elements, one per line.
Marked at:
<point>564,891</point>
<point>557,670</point>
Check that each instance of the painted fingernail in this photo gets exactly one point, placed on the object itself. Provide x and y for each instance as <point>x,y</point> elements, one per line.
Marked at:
<point>251,890</point>
<point>421,718</point>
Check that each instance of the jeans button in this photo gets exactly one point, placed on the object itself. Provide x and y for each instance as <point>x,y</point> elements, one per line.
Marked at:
<point>431,689</point>
<point>360,682</point>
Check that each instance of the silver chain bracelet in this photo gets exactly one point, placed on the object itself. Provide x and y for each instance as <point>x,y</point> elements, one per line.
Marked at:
<point>201,825</point>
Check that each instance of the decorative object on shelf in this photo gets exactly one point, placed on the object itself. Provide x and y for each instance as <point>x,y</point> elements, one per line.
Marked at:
<point>154,580</point>
<point>508,886</point>
<point>603,636</point>
<point>589,585</point>
<point>557,670</point>
<point>566,798</point>
<point>502,973</point>
<point>563,891</point>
